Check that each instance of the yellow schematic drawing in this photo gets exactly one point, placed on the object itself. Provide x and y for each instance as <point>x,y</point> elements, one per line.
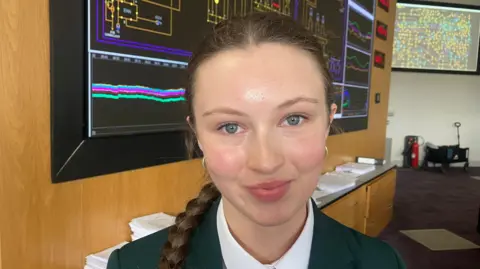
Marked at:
<point>309,8</point>
<point>341,9</point>
<point>279,6</point>
<point>242,7</point>
<point>320,32</point>
<point>217,10</point>
<point>315,22</point>
<point>152,16</point>
<point>286,7</point>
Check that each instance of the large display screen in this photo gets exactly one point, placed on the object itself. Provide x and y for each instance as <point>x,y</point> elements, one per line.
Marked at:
<point>139,49</point>
<point>436,38</point>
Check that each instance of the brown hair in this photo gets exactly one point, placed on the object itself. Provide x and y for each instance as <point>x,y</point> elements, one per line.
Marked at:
<point>239,32</point>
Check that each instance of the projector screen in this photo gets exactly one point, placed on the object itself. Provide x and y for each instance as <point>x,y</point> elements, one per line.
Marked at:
<point>434,37</point>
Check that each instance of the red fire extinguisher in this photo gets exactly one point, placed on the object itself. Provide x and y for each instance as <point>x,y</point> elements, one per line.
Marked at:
<point>415,147</point>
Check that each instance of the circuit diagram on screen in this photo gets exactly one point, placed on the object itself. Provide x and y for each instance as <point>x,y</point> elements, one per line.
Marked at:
<point>152,16</point>
<point>315,22</point>
<point>218,10</point>
<point>279,6</point>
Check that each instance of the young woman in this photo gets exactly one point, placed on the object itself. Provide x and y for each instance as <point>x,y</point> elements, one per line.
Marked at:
<point>261,104</point>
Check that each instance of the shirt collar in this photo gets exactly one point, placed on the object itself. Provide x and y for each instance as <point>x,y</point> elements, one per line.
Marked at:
<point>235,257</point>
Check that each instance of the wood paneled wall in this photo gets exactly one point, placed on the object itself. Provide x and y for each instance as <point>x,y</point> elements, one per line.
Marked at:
<point>370,142</point>
<point>45,226</point>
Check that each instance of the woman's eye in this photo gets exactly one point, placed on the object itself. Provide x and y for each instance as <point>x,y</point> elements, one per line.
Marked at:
<point>294,120</point>
<point>230,128</point>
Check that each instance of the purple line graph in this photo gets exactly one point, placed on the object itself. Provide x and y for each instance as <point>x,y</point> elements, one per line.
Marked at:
<point>354,29</point>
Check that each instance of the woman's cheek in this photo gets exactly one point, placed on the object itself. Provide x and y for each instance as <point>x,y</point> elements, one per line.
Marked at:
<point>224,162</point>
<point>308,154</point>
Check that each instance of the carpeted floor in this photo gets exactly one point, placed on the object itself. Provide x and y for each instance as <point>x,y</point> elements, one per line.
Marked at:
<point>431,200</point>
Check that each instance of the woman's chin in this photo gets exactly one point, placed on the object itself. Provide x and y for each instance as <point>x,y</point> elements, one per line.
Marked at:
<point>271,217</point>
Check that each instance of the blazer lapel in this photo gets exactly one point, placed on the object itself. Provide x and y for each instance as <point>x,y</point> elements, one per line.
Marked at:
<point>329,245</point>
<point>204,249</point>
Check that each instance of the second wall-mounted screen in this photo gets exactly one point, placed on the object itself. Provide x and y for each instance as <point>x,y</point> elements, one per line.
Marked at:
<point>139,50</point>
<point>433,37</point>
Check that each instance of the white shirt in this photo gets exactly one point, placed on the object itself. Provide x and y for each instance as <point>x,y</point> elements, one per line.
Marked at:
<point>235,257</point>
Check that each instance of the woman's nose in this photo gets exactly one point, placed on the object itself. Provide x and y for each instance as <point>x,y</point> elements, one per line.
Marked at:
<point>265,154</point>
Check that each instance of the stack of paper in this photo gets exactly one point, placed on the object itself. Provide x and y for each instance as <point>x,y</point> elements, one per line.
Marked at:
<point>319,193</point>
<point>355,168</point>
<point>146,225</point>
<point>336,181</point>
<point>100,260</point>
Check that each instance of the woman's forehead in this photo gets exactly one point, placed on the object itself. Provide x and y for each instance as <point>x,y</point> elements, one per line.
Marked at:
<point>259,73</point>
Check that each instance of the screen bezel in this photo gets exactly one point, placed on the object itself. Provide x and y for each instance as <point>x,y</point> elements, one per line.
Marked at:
<point>73,154</point>
<point>440,4</point>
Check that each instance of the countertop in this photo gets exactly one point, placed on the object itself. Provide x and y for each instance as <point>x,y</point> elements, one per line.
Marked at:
<point>362,180</point>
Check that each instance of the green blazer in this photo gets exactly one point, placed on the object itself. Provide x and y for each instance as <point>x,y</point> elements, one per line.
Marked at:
<point>334,246</point>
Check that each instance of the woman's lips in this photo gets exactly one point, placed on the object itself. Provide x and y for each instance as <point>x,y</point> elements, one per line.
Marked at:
<point>270,191</point>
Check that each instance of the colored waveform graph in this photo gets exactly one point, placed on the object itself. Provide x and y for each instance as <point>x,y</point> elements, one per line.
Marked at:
<point>354,63</point>
<point>354,29</point>
<point>137,92</point>
<point>355,101</point>
<point>357,71</point>
<point>346,99</point>
<point>360,31</point>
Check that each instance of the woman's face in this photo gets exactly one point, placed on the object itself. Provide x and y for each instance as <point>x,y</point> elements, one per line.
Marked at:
<point>261,122</point>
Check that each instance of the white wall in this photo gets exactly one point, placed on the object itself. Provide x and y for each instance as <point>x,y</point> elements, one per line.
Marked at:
<point>428,104</point>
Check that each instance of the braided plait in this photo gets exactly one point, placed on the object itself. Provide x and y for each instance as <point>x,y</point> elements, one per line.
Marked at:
<point>175,250</point>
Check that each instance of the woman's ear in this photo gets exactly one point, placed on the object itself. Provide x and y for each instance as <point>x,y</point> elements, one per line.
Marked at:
<point>333,111</point>
<point>190,124</point>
